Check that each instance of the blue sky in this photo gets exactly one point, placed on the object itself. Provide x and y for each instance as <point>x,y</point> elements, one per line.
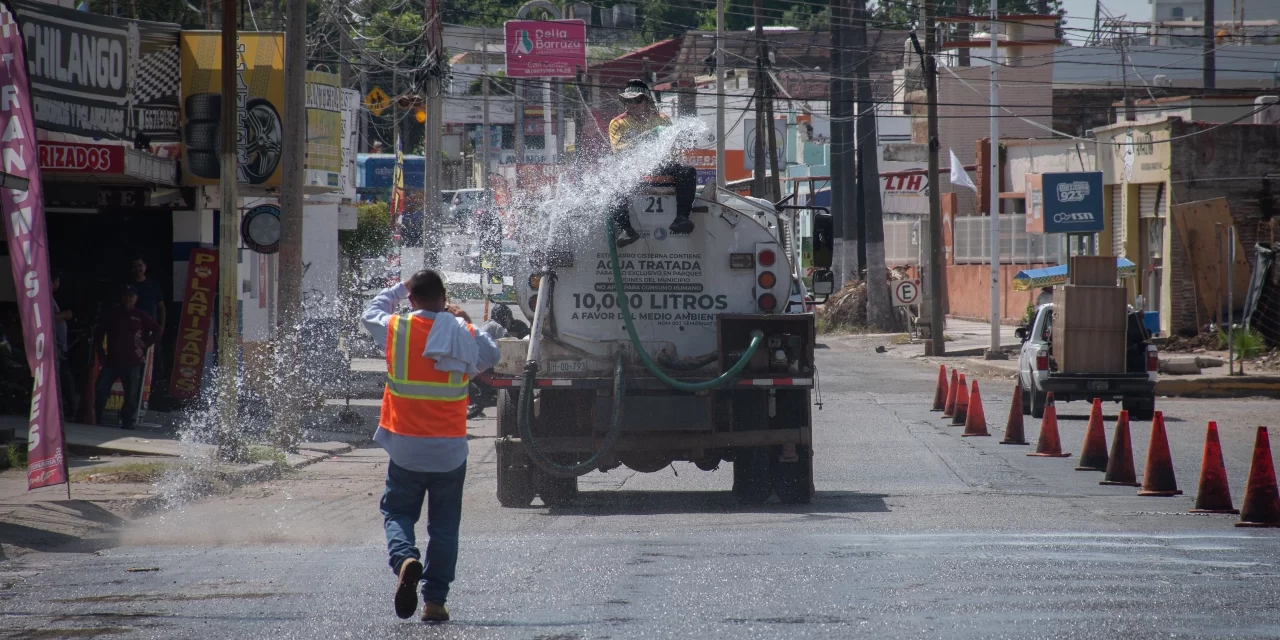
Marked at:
<point>1080,13</point>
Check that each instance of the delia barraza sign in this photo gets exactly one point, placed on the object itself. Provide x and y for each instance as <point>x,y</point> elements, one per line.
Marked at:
<point>546,48</point>
<point>1065,202</point>
<point>23,212</point>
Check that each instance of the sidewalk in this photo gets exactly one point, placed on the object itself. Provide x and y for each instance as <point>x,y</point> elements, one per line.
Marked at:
<point>969,340</point>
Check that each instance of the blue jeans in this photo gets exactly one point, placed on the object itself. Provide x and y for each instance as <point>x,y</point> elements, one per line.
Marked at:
<point>402,506</point>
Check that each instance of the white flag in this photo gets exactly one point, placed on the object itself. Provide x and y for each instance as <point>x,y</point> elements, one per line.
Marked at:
<point>958,174</point>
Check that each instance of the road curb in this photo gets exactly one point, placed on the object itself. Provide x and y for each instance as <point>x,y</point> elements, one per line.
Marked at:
<point>1234,387</point>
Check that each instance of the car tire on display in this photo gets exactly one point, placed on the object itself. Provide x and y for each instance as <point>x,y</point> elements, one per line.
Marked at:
<point>265,140</point>
<point>204,164</point>
<point>1038,400</point>
<point>202,136</point>
<point>203,107</point>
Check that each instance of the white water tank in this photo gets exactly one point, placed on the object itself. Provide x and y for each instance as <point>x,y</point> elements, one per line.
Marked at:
<point>1269,110</point>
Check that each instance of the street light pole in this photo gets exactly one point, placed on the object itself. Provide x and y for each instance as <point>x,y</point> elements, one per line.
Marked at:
<point>993,183</point>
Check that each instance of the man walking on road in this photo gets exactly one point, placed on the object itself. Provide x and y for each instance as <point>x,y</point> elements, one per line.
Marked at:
<point>432,353</point>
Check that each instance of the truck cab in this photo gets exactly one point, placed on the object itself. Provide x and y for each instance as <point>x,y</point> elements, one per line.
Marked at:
<point>1038,374</point>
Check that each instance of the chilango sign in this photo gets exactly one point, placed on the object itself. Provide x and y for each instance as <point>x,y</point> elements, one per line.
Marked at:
<point>100,76</point>
<point>24,222</point>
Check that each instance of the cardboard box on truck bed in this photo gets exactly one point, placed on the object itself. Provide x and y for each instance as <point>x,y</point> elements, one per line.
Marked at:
<point>1089,328</point>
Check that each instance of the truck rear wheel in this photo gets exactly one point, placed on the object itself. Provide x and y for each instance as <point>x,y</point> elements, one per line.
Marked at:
<point>793,481</point>
<point>514,477</point>
<point>557,492</point>
<point>1026,402</point>
<point>751,477</point>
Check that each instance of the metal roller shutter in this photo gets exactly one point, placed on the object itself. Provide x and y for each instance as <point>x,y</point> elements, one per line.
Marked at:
<point>1147,196</point>
<point>1117,220</point>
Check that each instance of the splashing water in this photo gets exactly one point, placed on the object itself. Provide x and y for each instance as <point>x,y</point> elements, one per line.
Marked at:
<point>564,219</point>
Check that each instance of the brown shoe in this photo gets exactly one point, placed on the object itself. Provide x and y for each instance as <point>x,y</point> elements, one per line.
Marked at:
<point>407,588</point>
<point>434,612</point>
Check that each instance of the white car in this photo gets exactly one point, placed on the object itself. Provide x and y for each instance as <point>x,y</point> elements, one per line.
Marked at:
<point>1037,371</point>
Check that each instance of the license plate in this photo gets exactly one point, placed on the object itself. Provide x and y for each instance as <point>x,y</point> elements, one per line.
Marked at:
<point>567,366</point>
<point>1099,385</point>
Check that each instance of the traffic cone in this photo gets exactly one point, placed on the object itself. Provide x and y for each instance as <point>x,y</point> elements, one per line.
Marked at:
<point>1093,455</point>
<point>1261,506</point>
<point>1214,494</point>
<point>1050,446</point>
<point>1013,429</point>
<point>950,409</point>
<point>975,423</point>
<point>1158,480</point>
<point>940,395</point>
<point>962,404</point>
<point>1120,465</point>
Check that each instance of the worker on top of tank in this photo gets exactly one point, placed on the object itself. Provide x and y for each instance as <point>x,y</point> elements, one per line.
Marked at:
<point>637,124</point>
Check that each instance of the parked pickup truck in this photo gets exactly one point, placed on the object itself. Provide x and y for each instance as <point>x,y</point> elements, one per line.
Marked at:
<point>1134,389</point>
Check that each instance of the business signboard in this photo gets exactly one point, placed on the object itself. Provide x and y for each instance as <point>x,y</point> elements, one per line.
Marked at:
<point>260,101</point>
<point>1064,202</point>
<point>23,211</point>
<point>195,324</point>
<point>546,48</point>
<point>350,143</point>
<point>98,76</point>
<point>324,130</point>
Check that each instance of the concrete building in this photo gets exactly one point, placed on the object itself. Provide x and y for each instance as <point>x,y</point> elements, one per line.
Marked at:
<point>1152,166</point>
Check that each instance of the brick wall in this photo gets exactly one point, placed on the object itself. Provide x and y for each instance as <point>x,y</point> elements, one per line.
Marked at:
<point>1230,161</point>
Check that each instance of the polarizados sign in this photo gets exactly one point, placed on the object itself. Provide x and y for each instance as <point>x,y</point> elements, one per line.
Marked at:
<point>1065,202</point>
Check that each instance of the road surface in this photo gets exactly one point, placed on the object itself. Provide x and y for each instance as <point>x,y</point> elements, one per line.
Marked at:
<point>915,532</point>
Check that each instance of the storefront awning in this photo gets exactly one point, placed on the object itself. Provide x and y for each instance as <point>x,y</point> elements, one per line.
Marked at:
<point>1030,279</point>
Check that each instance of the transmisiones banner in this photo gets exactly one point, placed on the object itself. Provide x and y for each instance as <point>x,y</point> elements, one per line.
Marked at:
<point>24,222</point>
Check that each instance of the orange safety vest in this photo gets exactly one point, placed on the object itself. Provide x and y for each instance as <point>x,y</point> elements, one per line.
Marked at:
<point>420,400</point>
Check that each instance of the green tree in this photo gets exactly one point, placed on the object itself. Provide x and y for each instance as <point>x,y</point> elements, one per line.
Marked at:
<point>372,236</point>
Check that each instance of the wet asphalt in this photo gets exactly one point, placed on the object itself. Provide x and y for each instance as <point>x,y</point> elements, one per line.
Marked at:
<point>915,533</point>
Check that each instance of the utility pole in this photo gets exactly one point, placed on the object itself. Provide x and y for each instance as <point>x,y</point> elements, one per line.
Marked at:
<point>993,180</point>
<point>757,171</point>
<point>431,223</point>
<point>933,283</point>
<point>879,307</point>
<point>1209,65</point>
<point>775,178</point>
<point>484,127</point>
<point>229,445</point>
<point>720,91</point>
<point>294,149</point>
<point>549,155</point>
<point>519,119</point>
<point>963,30</point>
<point>838,111</point>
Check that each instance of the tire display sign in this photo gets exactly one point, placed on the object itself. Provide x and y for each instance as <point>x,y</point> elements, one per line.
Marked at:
<point>98,76</point>
<point>1064,202</point>
<point>195,324</point>
<point>259,102</point>
<point>546,48</point>
<point>23,211</point>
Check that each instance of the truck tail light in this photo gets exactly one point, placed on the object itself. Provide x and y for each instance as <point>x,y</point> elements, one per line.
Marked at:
<point>1042,362</point>
<point>766,280</point>
<point>533,303</point>
<point>1153,359</point>
<point>766,257</point>
<point>767,302</point>
<point>535,280</point>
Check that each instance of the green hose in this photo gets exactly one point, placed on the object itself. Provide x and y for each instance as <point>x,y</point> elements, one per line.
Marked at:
<point>524,413</point>
<point>620,293</point>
